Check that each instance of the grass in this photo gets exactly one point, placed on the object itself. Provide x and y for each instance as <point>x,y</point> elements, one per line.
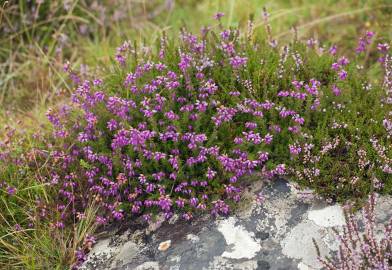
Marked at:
<point>26,240</point>
<point>42,46</point>
<point>34,50</point>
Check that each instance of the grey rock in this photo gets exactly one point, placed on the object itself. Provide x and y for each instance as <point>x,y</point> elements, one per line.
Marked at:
<point>277,234</point>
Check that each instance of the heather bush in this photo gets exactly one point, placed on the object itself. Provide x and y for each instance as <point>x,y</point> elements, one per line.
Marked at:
<point>360,246</point>
<point>348,153</point>
<point>173,129</point>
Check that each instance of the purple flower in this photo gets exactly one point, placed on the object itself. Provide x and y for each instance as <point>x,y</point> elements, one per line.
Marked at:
<point>342,74</point>
<point>218,15</point>
<point>364,41</point>
<point>295,149</point>
<point>180,203</point>
<point>383,47</point>
<point>335,66</point>
<point>225,34</point>
<point>268,138</point>
<point>135,209</point>
<point>187,216</point>
<point>335,90</point>
<point>332,50</point>
<point>97,82</point>
<point>171,115</point>
<point>11,190</point>
<point>210,173</point>
<point>101,220</point>
<point>112,124</point>
<point>158,176</point>
<point>165,203</point>
<point>147,217</point>
<point>311,42</point>
<point>17,227</point>
<point>185,62</point>
<point>252,137</point>
<point>150,188</point>
<point>369,34</point>
<point>193,201</point>
<point>220,207</point>
<point>263,156</point>
<point>238,140</point>
<point>224,115</point>
<point>280,169</point>
<point>236,62</point>
<point>59,225</point>
<point>117,215</point>
<point>343,61</point>
<point>250,125</point>
<point>234,93</point>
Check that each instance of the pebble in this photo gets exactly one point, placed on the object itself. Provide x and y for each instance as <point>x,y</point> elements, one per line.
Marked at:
<point>163,246</point>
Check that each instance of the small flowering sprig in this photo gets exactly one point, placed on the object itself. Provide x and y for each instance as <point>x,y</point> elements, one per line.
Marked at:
<point>217,16</point>
<point>123,51</point>
<point>272,42</point>
<point>72,74</point>
<point>339,67</point>
<point>362,250</point>
<point>364,41</point>
<point>383,48</point>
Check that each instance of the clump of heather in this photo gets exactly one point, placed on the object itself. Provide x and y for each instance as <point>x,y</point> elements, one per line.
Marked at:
<point>345,151</point>
<point>362,248</point>
<point>174,130</point>
<point>165,138</point>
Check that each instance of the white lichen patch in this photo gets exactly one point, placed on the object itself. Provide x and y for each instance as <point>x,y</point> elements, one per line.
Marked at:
<point>176,260</point>
<point>279,211</point>
<point>304,195</point>
<point>302,266</point>
<point>102,247</point>
<point>329,216</point>
<point>101,253</point>
<point>298,244</point>
<point>148,266</point>
<point>126,254</point>
<point>193,238</point>
<point>244,246</point>
<point>223,263</point>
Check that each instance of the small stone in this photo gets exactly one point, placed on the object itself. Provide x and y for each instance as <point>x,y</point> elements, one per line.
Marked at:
<point>163,246</point>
